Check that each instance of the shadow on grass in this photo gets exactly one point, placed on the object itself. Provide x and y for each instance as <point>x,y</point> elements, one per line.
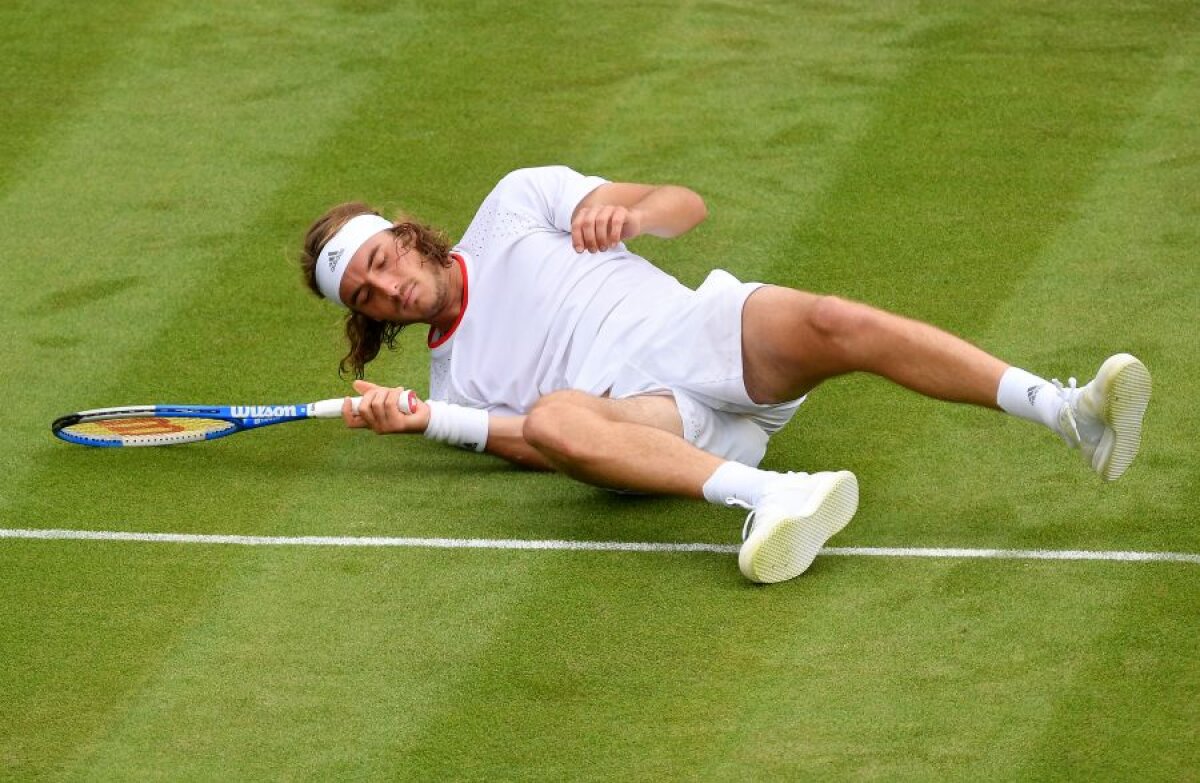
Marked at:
<point>80,294</point>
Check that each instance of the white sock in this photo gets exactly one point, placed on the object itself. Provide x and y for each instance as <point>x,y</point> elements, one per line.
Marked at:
<point>737,481</point>
<point>1029,397</point>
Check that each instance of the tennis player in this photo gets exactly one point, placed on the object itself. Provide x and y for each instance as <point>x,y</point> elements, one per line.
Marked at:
<point>554,346</point>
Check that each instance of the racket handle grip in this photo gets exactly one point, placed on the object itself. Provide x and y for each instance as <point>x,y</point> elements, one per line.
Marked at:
<point>332,409</point>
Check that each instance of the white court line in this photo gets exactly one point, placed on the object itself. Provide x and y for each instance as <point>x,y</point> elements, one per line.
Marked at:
<point>589,546</point>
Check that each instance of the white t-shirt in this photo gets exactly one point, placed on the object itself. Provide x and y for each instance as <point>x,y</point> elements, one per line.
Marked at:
<point>539,317</point>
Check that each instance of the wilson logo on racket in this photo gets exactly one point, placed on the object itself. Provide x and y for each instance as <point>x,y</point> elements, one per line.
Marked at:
<point>262,411</point>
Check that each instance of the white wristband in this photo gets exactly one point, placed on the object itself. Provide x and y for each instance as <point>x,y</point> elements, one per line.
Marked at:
<point>457,425</point>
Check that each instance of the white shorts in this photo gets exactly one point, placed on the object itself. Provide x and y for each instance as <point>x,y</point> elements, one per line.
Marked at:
<point>697,357</point>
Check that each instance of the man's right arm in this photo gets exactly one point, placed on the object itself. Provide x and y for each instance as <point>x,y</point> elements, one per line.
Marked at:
<point>380,412</point>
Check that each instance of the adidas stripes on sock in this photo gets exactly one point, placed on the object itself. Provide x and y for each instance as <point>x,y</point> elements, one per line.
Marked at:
<point>1029,397</point>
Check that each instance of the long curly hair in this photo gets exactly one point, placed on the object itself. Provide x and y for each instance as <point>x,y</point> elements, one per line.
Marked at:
<point>366,335</point>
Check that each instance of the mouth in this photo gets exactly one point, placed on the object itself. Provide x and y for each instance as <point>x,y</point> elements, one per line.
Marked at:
<point>407,296</point>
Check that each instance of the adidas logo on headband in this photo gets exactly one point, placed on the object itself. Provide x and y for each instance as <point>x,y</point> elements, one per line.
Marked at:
<point>339,252</point>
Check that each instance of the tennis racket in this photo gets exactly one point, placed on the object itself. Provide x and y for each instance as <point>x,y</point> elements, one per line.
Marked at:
<point>166,425</point>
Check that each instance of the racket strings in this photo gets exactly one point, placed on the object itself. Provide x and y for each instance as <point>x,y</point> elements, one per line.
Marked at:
<point>148,430</point>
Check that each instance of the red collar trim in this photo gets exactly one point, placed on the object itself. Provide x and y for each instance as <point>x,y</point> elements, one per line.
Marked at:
<point>430,340</point>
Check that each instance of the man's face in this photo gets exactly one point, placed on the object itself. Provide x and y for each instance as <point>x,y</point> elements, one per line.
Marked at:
<point>387,281</point>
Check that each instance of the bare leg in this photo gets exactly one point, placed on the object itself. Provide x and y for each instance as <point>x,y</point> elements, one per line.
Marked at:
<point>633,444</point>
<point>637,444</point>
<point>792,341</point>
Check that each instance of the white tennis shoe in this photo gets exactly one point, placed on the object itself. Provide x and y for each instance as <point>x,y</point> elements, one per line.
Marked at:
<point>1104,418</point>
<point>792,521</point>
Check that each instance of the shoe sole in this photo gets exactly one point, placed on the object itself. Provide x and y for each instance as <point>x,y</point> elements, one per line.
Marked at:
<point>787,548</point>
<point>1126,397</point>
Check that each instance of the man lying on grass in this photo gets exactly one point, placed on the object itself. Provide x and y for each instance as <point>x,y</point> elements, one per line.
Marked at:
<point>555,347</point>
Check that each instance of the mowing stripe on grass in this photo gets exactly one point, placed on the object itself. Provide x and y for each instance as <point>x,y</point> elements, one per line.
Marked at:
<point>588,546</point>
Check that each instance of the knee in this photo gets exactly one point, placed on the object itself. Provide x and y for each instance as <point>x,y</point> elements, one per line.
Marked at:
<point>836,320</point>
<point>552,425</point>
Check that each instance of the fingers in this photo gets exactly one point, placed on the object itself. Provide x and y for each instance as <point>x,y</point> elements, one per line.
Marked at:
<point>380,409</point>
<point>349,416</point>
<point>373,408</point>
<point>599,228</point>
<point>615,223</point>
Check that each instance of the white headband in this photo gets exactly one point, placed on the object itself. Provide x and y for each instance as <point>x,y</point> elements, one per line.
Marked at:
<point>335,256</point>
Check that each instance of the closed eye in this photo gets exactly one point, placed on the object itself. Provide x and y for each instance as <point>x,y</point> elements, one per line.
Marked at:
<point>363,294</point>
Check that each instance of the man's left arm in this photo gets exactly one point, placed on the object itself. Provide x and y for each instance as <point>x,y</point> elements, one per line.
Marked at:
<point>617,211</point>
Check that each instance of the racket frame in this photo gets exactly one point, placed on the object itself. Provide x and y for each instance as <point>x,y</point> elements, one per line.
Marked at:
<point>241,417</point>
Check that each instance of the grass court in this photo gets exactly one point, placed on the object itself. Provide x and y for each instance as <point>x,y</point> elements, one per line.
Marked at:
<point>1026,174</point>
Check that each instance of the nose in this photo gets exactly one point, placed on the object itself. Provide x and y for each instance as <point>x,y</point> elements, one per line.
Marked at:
<point>386,282</point>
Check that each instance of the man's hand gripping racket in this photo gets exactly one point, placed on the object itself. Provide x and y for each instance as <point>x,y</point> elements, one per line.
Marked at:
<point>385,410</point>
<point>165,425</point>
